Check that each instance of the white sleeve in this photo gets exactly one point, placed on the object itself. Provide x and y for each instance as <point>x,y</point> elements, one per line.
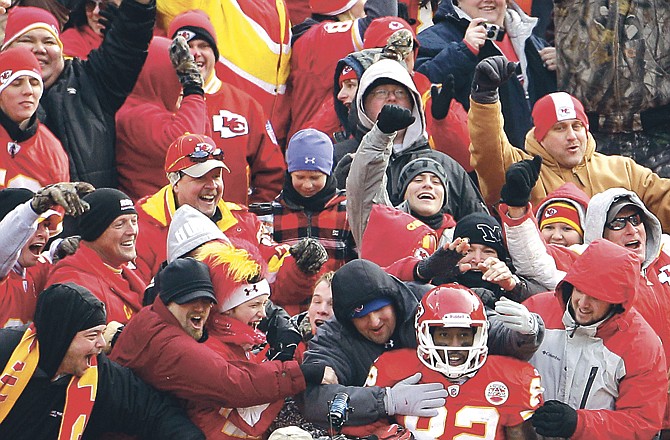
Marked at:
<point>529,254</point>
<point>15,229</point>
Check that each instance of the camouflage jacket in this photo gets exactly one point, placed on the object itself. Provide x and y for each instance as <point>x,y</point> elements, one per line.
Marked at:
<point>614,55</point>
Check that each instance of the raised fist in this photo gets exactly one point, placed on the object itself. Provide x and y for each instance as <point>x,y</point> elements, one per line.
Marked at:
<point>185,66</point>
<point>520,179</point>
<point>65,194</point>
<point>393,118</point>
<point>490,73</point>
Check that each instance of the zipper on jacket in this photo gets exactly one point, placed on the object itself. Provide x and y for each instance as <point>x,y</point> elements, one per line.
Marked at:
<point>587,389</point>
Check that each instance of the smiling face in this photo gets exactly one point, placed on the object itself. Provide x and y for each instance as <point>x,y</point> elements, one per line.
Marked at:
<point>377,326</point>
<point>453,337</point>
<point>250,312</point>
<point>492,10</point>
<point>20,99</point>
<point>425,194</point>
<point>84,346</point>
<point>204,57</point>
<point>630,237</point>
<point>321,307</point>
<point>203,193</point>
<point>47,51</point>
<point>33,248</point>
<point>566,142</point>
<point>192,315</point>
<point>561,233</point>
<point>116,246</point>
<point>587,309</point>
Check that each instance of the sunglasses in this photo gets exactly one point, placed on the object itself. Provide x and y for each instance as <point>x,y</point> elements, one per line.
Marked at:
<point>201,156</point>
<point>620,222</point>
<point>91,4</point>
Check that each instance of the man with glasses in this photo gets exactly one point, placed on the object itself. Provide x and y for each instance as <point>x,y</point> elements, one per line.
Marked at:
<point>561,136</point>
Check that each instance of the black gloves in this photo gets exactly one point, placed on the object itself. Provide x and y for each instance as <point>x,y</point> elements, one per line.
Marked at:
<point>441,98</point>
<point>442,262</point>
<point>555,419</point>
<point>309,255</point>
<point>68,246</point>
<point>65,194</point>
<point>184,64</point>
<point>108,14</point>
<point>282,335</point>
<point>490,73</point>
<point>520,179</point>
<point>393,118</point>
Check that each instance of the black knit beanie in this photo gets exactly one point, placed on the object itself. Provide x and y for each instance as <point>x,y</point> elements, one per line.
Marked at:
<point>62,311</point>
<point>106,205</point>
<point>484,229</point>
<point>422,165</point>
<point>10,198</point>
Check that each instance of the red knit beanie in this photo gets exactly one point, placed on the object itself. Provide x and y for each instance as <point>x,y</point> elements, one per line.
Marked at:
<point>194,24</point>
<point>556,107</point>
<point>22,19</point>
<point>16,62</point>
<point>331,7</point>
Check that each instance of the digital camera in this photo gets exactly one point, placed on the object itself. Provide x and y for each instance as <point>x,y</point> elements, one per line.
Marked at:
<point>493,31</point>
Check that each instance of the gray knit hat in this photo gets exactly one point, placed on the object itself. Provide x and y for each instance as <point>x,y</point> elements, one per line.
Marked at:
<point>419,166</point>
<point>189,229</point>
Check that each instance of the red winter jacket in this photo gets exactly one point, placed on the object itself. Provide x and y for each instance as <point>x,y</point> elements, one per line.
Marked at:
<point>154,217</point>
<point>156,348</point>
<point>121,293</point>
<point>241,129</point>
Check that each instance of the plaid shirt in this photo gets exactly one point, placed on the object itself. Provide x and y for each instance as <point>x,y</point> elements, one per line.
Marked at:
<point>330,226</point>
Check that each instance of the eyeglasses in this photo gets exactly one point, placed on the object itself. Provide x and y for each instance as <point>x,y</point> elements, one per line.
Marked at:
<point>91,4</point>
<point>383,94</point>
<point>200,156</point>
<point>620,222</point>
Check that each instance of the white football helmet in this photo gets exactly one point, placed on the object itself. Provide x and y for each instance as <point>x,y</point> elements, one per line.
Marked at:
<point>451,305</point>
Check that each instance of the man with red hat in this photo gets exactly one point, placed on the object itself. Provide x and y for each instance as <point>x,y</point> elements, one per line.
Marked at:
<point>81,97</point>
<point>239,125</point>
<point>194,167</point>
<point>561,136</point>
<point>33,157</point>
<point>336,29</point>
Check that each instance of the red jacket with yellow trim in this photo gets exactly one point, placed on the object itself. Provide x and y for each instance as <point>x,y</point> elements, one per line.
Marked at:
<point>154,217</point>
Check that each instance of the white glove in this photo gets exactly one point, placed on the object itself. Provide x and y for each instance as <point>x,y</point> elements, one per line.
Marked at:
<point>410,398</point>
<point>516,316</point>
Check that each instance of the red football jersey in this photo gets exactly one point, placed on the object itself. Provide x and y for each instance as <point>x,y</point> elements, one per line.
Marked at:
<point>504,392</point>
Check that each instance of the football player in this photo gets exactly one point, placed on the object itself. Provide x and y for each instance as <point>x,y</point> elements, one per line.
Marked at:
<point>490,397</point>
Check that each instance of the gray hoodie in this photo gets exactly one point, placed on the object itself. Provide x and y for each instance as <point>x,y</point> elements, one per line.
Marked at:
<point>596,217</point>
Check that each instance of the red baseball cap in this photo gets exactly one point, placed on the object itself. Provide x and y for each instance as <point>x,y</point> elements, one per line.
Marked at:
<point>194,155</point>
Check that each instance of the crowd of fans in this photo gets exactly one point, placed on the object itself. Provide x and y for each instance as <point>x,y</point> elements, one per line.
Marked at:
<point>304,219</point>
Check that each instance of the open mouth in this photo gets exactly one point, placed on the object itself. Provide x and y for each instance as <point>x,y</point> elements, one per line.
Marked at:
<point>426,196</point>
<point>456,358</point>
<point>634,245</point>
<point>319,322</point>
<point>128,243</point>
<point>197,322</point>
<point>36,248</point>
<point>207,198</point>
